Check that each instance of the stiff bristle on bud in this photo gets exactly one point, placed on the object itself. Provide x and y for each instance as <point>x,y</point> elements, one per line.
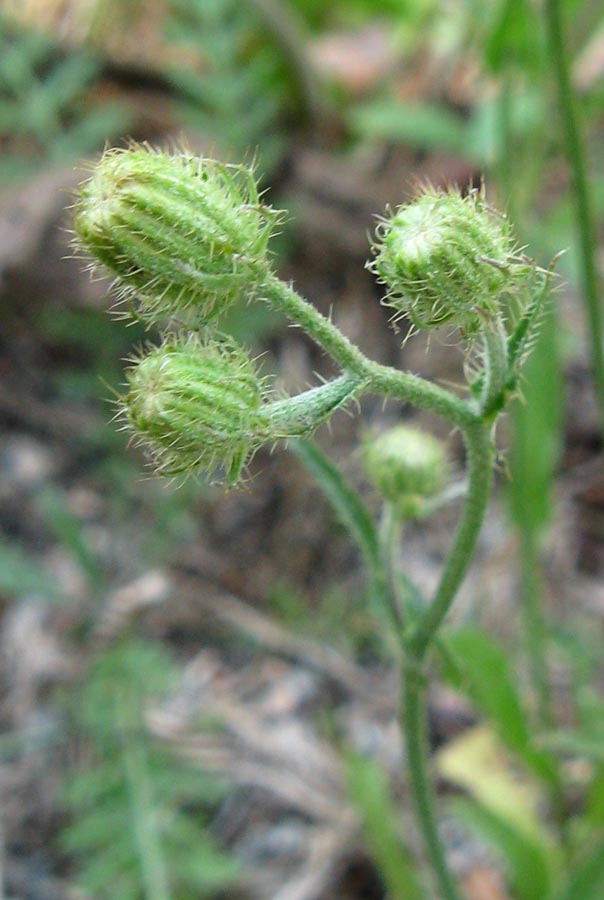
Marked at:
<point>183,236</point>
<point>407,466</point>
<point>447,258</point>
<point>196,406</point>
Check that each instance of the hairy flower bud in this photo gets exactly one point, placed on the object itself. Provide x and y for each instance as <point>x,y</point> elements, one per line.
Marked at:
<point>447,258</point>
<point>196,406</point>
<point>407,466</point>
<point>183,236</point>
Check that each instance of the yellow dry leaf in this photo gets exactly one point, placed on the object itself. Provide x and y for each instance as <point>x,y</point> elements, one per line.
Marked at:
<point>478,762</point>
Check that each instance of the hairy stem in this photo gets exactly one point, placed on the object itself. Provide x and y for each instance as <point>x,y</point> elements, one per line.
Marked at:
<point>477,433</point>
<point>576,157</point>
<point>413,723</point>
<point>416,645</point>
<point>480,461</point>
<point>304,314</point>
<point>378,379</point>
<point>389,538</point>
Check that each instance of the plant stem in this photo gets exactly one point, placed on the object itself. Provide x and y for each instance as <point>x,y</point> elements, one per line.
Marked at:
<point>421,394</point>
<point>575,151</point>
<point>144,822</point>
<point>413,722</point>
<point>389,537</point>
<point>285,298</point>
<point>379,379</point>
<point>480,460</point>
<point>531,582</point>
<point>413,714</point>
<point>504,110</point>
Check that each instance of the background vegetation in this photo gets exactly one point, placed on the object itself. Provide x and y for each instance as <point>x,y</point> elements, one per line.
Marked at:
<point>196,700</point>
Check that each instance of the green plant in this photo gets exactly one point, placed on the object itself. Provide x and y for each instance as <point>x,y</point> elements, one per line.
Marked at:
<point>43,93</point>
<point>515,54</point>
<point>576,153</point>
<point>137,813</point>
<point>444,259</point>
<point>238,96</point>
<point>524,49</point>
<point>507,787</point>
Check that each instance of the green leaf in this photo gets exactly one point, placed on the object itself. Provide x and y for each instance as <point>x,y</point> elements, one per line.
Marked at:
<point>94,828</point>
<point>593,812</point>
<point>527,328</point>
<point>487,678</point>
<point>86,134</point>
<point>424,126</point>
<point>537,418</point>
<point>587,881</point>
<point>160,851</point>
<point>67,80</point>
<point>529,867</point>
<point>515,39</point>
<point>370,794</point>
<point>347,504</point>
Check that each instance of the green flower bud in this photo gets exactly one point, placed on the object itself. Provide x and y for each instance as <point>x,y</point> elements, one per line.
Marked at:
<point>407,466</point>
<point>447,258</point>
<point>196,406</point>
<point>184,236</point>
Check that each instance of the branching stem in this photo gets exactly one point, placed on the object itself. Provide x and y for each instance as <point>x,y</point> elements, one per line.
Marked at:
<point>480,460</point>
<point>189,237</point>
<point>477,431</point>
<point>377,378</point>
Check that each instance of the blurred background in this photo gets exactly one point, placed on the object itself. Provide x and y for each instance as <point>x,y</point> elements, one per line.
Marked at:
<point>196,697</point>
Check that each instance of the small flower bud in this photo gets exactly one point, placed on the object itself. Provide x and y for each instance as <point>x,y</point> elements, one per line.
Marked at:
<point>196,406</point>
<point>184,236</point>
<point>407,466</point>
<point>447,258</point>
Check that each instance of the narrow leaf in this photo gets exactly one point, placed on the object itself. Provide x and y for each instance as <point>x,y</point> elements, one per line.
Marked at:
<point>487,678</point>
<point>528,866</point>
<point>349,507</point>
<point>370,794</point>
<point>537,431</point>
<point>424,126</point>
<point>587,881</point>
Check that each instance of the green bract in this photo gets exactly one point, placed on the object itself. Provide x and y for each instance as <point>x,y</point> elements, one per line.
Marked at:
<point>407,466</point>
<point>447,258</point>
<point>184,236</point>
<point>196,406</point>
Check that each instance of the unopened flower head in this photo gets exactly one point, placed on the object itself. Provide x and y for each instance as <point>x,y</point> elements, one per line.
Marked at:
<point>196,406</point>
<point>183,236</point>
<point>407,466</point>
<point>447,258</point>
